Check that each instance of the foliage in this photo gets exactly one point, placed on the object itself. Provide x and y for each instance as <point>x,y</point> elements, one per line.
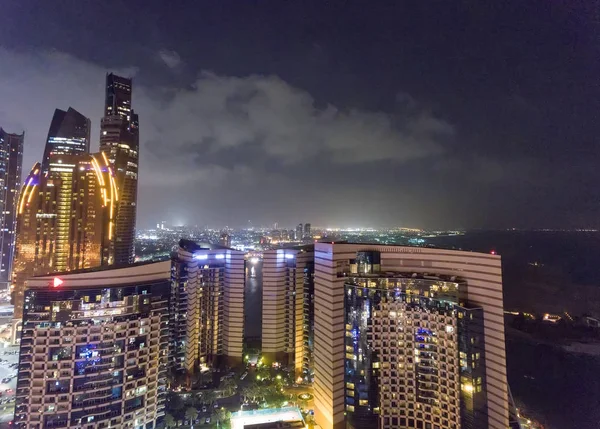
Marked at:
<point>251,391</point>
<point>170,421</point>
<point>269,393</point>
<point>175,402</point>
<point>191,413</point>
<point>222,416</point>
<point>209,396</point>
<point>228,386</point>
<point>274,397</point>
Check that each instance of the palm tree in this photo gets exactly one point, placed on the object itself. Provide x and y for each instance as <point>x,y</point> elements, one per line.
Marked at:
<point>222,416</point>
<point>229,386</point>
<point>209,396</point>
<point>191,414</point>
<point>251,391</point>
<point>170,421</point>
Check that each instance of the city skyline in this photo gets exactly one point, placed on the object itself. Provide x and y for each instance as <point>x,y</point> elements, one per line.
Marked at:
<point>334,215</point>
<point>423,121</point>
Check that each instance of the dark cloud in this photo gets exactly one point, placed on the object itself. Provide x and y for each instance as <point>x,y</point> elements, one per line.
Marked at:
<point>441,115</point>
<point>222,132</point>
<point>170,58</point>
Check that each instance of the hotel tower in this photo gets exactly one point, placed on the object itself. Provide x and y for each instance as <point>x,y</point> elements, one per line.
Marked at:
<point>408,337</point>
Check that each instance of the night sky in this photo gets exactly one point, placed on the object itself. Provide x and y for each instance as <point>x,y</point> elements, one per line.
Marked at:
<point>436,114</point>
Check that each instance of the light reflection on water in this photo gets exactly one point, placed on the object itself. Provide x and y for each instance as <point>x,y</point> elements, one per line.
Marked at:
<point>253,303</point>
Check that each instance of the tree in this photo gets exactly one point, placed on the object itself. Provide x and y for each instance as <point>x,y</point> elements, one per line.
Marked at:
<point>251,391</point>
<point>274,397</point>
<point>222,416</point>
<point>228,386</point>
<point>191,414</point>
<point>209,396</point>
<point>175,402</point>
<point>170,421</point>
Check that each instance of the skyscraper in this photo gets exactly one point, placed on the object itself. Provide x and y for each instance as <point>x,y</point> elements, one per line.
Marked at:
<point>408,338</point>
<point>11,161</point>
<point>69,134</point>
<point>307,232</point>
<point>299,233</point>
<point>119,140</point>
<point>93,352</point>
<point>287,305</point>
<point>65,219</point>
<point>225,239</point>
<point>207,306</point>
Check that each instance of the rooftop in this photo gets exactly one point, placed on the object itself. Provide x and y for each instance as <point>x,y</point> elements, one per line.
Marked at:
<point>406,275</point>
<point>143,272</point>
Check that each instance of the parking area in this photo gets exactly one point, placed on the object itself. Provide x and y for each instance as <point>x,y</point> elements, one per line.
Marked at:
<point>8,381</point>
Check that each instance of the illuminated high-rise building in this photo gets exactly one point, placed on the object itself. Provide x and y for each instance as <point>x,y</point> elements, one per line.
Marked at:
<point>225,239</point>
<point>119,140</point>
<point>287,308</point>
<point>65,219</point>
<point>307,232</point>
<point>11,161</point>
<point>408,338</point>
<point>299,233</point>
<point>207,306</point>
<point>69,134</point>
<point>93,350</point>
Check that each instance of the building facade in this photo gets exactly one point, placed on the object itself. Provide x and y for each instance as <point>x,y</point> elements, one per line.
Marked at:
<point>207,307</point>
<point>65,219</point>
<point>225,239</point>
<point>408,337</point>
<point>93,352</point>
<point>287,307</point>
<point>11,162</point>
<point>69,134</point>
<point>307,232</point>
<point>299,235</point>
<point>119,140</point>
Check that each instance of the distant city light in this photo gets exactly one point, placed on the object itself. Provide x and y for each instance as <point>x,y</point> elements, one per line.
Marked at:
<point>220,256</point>
<point>289,256</point>
<point>202,256</point>
<point>254,260</point>
<point>57,282</point>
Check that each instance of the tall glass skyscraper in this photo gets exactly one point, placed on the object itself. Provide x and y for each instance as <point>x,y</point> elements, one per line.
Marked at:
<point>408,338</point>
<point>65,219</point>
<point>69,134</point>
<point>119,140</point>
<point>11,161</point>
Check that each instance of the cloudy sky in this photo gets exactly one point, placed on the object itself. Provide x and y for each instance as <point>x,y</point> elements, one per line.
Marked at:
<point>339,113</point>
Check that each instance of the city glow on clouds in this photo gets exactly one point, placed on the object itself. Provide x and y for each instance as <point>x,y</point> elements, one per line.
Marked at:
<point>222,133</point>
<point>219,113</point>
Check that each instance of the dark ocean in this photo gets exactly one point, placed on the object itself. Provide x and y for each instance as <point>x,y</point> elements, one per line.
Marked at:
<point>547,272</point>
